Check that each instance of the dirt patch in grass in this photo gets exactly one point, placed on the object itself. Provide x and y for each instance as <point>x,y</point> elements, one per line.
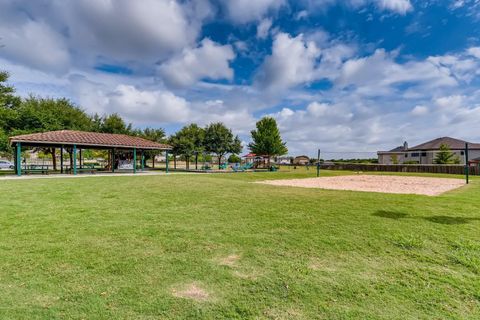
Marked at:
<point>376,183</point>
<point>229,261</point>
<point>192,291</point>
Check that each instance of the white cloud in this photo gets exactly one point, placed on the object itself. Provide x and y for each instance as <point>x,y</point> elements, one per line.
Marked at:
<point>379,73</point>
<point>35,44</point>
<point>244,11</point>
<point>209,60</point>
<point>263,28</point>
<point>474,51</point>
<point>399,6</point>
<point>291,63</point>
<point>420,110</point>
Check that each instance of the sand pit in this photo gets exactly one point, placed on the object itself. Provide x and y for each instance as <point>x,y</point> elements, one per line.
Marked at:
<point>376,183</point>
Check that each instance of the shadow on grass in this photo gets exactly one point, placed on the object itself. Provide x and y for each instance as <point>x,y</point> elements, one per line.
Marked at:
<point>450,220</point>
<point>395,215</point>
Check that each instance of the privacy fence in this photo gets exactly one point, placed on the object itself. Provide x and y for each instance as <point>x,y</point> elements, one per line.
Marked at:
<point>448,169</point>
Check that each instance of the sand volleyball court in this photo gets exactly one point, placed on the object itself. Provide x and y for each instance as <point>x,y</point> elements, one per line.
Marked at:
<point>376,183</point>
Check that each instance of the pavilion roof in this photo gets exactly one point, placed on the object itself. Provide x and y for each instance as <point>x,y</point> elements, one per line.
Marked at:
<point>88,139</point>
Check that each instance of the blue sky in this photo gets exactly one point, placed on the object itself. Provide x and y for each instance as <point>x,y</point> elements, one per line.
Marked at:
<point>352,75</point>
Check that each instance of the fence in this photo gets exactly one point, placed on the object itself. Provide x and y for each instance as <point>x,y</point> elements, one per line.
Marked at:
<point>447,169</point>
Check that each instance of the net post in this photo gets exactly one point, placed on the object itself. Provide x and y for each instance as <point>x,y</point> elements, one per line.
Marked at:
<point>318,164</point>
<point>467,167</point>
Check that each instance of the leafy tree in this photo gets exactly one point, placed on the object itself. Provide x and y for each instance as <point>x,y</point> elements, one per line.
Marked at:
<point>8,102</point>
<point>7,97</point>
<point>445,156</point>
<point>234,159</point>
<point>267,140</point>
<point>39,114</point>
<point>188,141</point>
<point>112,123</point>
<point>156,135</point>
<point>394,159</point>
<point>220,141</point>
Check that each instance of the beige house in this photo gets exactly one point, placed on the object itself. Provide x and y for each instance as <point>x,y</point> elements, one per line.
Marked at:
<point>425,153</point>
<point>301,160</point>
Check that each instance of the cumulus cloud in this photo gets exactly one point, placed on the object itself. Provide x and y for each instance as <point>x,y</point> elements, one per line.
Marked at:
<point>244,11</point>
<point>51,34</point>
<point>209,60</point>
<point>400,6</point>
<point>35,44</point>
<point>263,28</point>
<point>292,62</point>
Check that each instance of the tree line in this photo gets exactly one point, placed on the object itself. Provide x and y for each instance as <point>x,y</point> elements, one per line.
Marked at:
<point>34,114</point>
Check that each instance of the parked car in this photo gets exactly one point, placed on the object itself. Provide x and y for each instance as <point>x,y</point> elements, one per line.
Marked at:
<point>5,165</point>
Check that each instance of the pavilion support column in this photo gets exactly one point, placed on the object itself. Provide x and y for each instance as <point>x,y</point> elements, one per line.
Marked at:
<point>143,161</point>
<point>61,159</point>
<point>166,161</point>
<point>134,160</point>
<point>113,160</point>
<point>196,161</point>
<point>18,156</point>
<point>80,158</point>
<point>74,159</point>
<point>175,161</point>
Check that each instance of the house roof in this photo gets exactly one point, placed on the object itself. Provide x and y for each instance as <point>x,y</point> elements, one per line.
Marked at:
<point>303,156</point>
<point>88,139</point>
<point>399,149</point>
<point>454,144</point>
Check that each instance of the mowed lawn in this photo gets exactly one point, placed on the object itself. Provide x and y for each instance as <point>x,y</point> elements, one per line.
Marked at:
<point>219,247</point>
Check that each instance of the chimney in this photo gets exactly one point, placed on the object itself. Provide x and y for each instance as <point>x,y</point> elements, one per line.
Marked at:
<point>405,146</point>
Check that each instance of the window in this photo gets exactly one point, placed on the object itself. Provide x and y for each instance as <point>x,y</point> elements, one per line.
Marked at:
<point>406,155</point>
<point>424,154</point>
<point>462,153</point>
<point>415,154</point>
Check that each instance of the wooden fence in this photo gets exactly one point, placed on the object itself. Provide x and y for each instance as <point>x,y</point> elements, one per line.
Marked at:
<point>448,169</point>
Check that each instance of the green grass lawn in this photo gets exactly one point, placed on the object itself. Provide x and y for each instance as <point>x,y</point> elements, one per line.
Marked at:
<point>131,247</point>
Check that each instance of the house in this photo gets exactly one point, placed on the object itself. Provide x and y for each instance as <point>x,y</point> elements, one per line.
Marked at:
<point>426,153</point>
<point>283,160</point>
<point>301,160</point>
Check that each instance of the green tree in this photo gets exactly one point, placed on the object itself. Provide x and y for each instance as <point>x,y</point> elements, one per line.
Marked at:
<point>156,135</point>
<point>188,141</point>
<point>220,141</point>
<point>445,156</point>
<point>267,140</point>
<point>112,123</point>
<point>8,102</point>
<point>44,114</point>
<point>234,159</point>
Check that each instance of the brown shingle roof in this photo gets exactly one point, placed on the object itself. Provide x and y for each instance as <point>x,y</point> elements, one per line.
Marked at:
<point>93,139</point>
<point>452,143</point>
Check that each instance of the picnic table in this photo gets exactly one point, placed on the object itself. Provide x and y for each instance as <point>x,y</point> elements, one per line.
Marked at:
<point>35,168</point>
<point>85,168</point>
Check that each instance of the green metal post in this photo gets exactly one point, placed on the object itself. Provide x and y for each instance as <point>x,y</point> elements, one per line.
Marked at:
<point>134,160</point>
<point>74,159</point>
<point>61,159</point>
<point>113,160</point>
<point>318,164</point>
<point>467,167</point>
<point>166,161</point>
<point>19,159</point>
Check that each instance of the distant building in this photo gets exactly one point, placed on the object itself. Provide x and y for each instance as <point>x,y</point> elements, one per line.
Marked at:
<point>283,160</point>
<point>301,160</point>
<point>425,153</point>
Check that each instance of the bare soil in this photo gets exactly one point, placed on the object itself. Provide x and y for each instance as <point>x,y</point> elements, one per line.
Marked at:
<point>192,291</point>
<point>376,183</point>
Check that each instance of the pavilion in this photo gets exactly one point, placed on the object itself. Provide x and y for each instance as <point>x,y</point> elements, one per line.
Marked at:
<point>75,141</point>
